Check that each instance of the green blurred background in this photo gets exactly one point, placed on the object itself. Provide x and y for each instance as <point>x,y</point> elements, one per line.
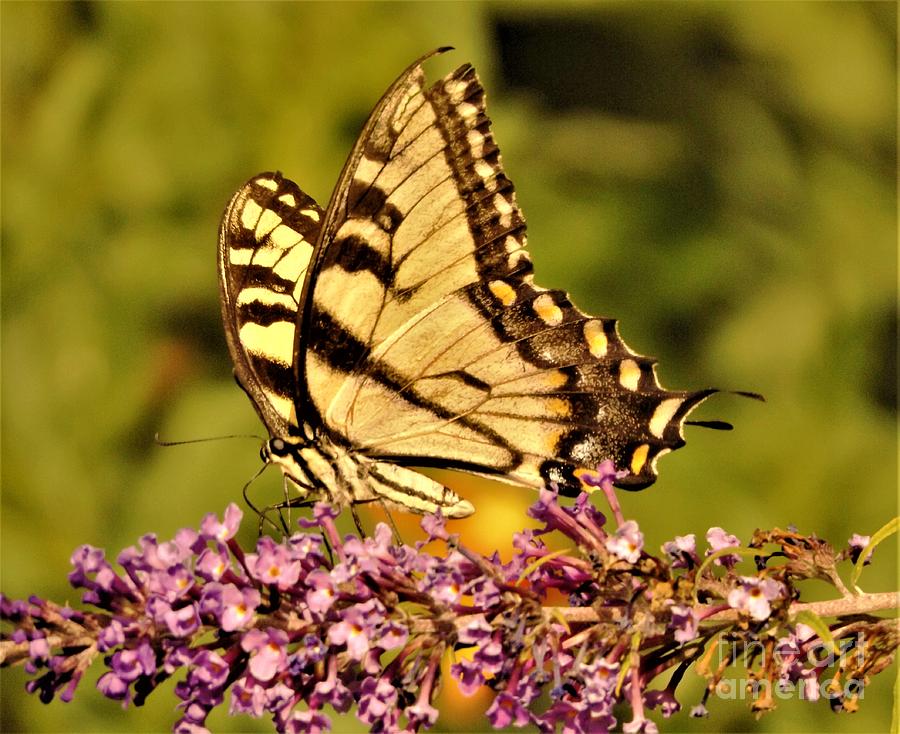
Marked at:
<point>719,176</point>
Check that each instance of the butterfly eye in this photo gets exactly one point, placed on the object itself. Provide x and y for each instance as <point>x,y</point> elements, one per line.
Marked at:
<point>277,446</point>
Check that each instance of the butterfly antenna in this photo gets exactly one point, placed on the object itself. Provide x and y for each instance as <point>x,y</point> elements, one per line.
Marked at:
<point>159,442</point>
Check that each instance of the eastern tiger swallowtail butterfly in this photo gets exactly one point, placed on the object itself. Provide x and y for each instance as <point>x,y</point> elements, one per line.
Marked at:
<point>402,326</point>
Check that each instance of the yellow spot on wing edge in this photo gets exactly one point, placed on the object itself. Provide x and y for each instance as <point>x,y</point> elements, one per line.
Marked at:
<point>663,414</point>
<point>547,310</point>
<point>267,183</point>
<point>504,292</point>
<point>556,378</point>
<point>639,458</point>
<point>596,338</point>
<point>629,374</point>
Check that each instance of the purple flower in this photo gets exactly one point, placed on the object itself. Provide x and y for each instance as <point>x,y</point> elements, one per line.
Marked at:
<point>718,540</point>
<point>212,564</point>
<point>507,710</point>
<point>753,596</point>
<point>332,690</point>
<point>684,622</point>
<point>422,713</point>
<point>378,696</point>
<point>312,721</point>
<point>475,631</point>
<point>113,686</point>
<point>627,543</point>
<point>320,596</point>
<point>310,651</point>
<point>111,636</point>
<point>247,697</point>
<point>392,635</point>
<point>171,583</point>
<point>682,551</point>
<point>130,664</point>
<point>273,564</point>
<point>436,526</point>
<point>183,622</point>
<point>267,652</point>
<point>664,700</point>
<point>600,677</point>
<point>212,529</point>
<point>468,675</point>
<point>699,711</point>
<point>604,477</point>
<point>640,725</point>
<point>237,607</point>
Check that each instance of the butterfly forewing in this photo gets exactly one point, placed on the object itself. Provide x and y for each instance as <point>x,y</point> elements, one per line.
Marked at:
<point>265,246</point>
<point>424,339</point>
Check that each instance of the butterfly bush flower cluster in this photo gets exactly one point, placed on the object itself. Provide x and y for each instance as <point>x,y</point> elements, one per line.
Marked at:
<point>319,622</point>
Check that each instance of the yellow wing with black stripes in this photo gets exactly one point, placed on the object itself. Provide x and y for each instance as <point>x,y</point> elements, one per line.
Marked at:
<point>422,338</point>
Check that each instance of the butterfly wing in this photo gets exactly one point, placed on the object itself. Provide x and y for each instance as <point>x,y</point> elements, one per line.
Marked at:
<point>265,245</point>
<point>426,341</point>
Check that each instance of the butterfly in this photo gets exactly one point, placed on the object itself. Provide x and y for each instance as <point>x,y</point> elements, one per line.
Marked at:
<point>401,326</point>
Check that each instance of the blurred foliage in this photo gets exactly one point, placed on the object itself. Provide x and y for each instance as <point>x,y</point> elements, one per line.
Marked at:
<point>719,176</point>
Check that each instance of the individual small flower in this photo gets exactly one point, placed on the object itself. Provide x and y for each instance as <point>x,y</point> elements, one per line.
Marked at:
<point>273,564</point>
<point>468,676</point>
<point>184,621</point>
<point>507,710</point>
<point>111,636</point>
<point>605,475</point>
<point>754,595</point>
<point>356,628</point>
<point>238,607</point>
<point>212,529</point>
<point>312,721</point>
<point>435,525</point>
<point>378,696</point>
<point>321,593</point>
<point>858,544</point>
<point>212,564</point>
<point>129,664</point>
<point>682,552</point>
<point>684,622</point>
<point>332,690</point>
<point>247,697</point>
<point>475,631</point>
<point>267,652</point>
<point>422,713</point>
<point>600,677</point>
<point>113,686</point>
<point>664,700</point>
<point>310,651</point>
<point>699,711</point>
<point>627,542</point>
<point>719,539</point>
<point>640,725</point>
